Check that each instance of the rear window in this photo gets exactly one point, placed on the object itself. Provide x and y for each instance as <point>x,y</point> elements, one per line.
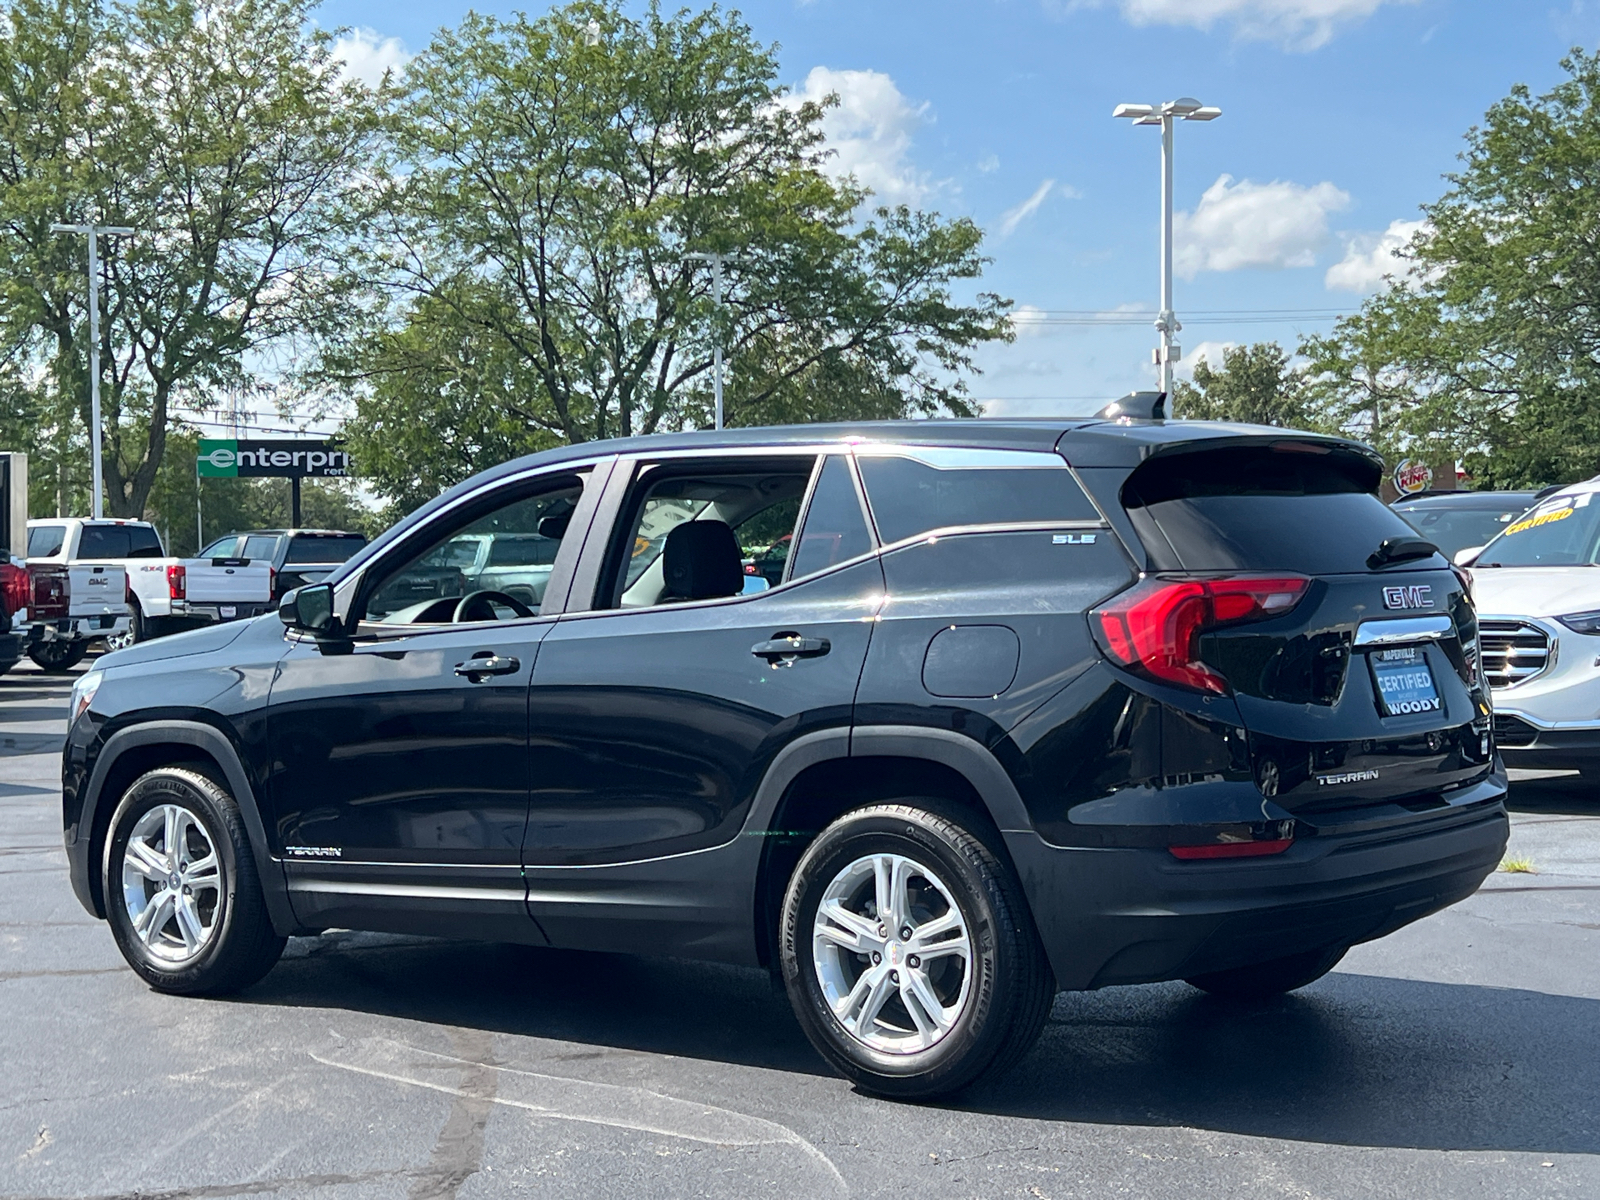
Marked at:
<point>1260,509</point>
<point>1454,528</point>
<point>45,541</point>
<point>525,551</point>
<point>103,541</point>
<point>143,542</point>
<point>335,549</point>
<point>942,488</point>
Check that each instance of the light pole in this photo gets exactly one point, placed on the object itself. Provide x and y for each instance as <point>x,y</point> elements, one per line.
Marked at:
<point>94,232</point>
<point>716,258</point>
<point>1164,115</point>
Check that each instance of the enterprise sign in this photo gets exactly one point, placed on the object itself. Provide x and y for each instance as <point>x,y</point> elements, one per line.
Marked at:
<point>237,458</point>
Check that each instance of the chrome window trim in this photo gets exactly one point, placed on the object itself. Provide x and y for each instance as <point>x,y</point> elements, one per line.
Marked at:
<point>346,590</point>
<point>963,458</point>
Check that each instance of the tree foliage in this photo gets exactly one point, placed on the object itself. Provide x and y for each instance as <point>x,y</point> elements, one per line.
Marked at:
<point>1489,345</point>
<point>221,131</point>
<point>1255,384</point>
<point>548,191</point>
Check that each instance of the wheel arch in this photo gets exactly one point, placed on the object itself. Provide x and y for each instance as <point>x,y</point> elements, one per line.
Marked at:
<point>822,776</point>
<point>131,752</point>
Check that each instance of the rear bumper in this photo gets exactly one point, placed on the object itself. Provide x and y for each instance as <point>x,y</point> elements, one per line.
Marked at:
<point>74,629</point>
<point>218,611</point>
<point>1114,916</point>
<point>10,650</point>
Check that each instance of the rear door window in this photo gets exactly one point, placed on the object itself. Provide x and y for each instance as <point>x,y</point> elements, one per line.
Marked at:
<point>939,488</point>
<point>1261,509</point>
<point>260,548</point>
<point>143,542</point>
<point>835,529</point>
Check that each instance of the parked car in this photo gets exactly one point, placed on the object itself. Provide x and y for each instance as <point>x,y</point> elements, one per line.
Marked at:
<point>1035,705</point>
<point>73,602</point>
<point>296,556</point>
<point>163,594</point>
<point>1539,600</point>
<point>1457,521</point>
<point>14,595</point>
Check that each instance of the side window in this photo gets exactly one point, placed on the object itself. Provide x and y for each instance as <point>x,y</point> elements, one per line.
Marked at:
<point>260,548</point>
<point>835,528</point>
<point>940,488</point>
<point>503,549</point>
<point>703,534</point>
<point>221,548</point>
<point>143,542</point>
<point>46,541</point>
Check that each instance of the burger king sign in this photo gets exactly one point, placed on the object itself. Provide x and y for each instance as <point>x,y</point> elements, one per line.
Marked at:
<point>1411,476</point>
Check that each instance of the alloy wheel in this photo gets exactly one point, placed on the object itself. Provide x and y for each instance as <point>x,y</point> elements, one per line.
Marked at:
<point>171,884</point>
<point>892,953</point>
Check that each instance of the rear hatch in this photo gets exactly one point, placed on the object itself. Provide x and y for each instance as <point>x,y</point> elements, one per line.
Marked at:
<point>1348,644</point>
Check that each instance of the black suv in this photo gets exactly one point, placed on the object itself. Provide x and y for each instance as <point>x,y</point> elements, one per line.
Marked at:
<point>1033,706</point>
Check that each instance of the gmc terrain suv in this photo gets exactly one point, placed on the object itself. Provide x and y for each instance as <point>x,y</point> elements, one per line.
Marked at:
<point>1032,706</point>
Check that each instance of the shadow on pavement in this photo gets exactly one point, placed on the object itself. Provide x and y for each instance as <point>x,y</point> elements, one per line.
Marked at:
<point>1353,1060</point>
<point>1564,795</point>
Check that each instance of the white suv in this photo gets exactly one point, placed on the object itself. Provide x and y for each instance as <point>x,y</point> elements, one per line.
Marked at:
<point>1537,587</point>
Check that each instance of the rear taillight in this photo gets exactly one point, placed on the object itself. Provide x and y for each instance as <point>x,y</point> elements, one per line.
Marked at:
<point>177,582</point>
<point>1154,627</point>
<point>13,587</point>
<point>49,591</point>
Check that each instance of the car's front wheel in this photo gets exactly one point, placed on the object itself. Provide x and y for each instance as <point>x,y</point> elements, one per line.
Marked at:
<point>909,954</point>
<point>181,890</point>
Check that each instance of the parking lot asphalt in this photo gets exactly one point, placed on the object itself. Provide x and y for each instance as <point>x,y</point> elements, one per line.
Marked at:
<point>1458,1058</point>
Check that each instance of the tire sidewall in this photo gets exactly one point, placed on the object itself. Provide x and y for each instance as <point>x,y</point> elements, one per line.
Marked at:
<point>967,1048</point>
<point>170,787</point>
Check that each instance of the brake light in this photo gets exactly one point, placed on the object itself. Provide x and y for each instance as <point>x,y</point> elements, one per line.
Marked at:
<point>1154,627</point>
<point>50,590</point>
<point>13,587</point>
<point>272,582</point>
<point>177,582</point>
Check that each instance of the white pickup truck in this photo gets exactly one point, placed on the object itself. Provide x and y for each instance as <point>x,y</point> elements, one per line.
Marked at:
<point>163,594</point>
<point>61,609</point>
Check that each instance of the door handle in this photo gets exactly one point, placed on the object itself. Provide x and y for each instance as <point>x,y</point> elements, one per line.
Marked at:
<point>787,647</point>
<point>480,667</point>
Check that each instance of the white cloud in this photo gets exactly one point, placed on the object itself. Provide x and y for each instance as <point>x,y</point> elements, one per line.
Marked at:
<point>1028,320</point>
<point>1212,352</point>
<point>1371,258</point>
<point>1293,24</point>
<point>869,131</point>
<point>1019,214</point>
<point>1247,224</point>
<point>988,163</point>
<point>367,55</point>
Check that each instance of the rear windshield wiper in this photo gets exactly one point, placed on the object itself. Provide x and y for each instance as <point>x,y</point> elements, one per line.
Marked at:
<point>1400,549</point>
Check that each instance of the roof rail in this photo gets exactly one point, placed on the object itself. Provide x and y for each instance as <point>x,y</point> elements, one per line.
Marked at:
<point>1137,406</point>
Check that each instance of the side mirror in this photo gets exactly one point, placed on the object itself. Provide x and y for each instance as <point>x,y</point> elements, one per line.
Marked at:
<point>310,608</point>
<point>1465,558</point>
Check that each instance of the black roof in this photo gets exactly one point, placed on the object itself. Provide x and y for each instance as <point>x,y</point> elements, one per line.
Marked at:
<point>1085,441</point>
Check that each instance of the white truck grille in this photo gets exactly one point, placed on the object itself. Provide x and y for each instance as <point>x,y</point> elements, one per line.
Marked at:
<point>1513,651</point>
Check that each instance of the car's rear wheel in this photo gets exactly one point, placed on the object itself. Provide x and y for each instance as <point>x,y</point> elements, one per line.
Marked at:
<point>57,656</point>
<point>909,954</point>
<point>134,634</point>
<point>181,890</point>
<point>1261,980</point>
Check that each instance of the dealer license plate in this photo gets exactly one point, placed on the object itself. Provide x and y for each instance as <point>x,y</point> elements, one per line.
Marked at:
<point>228,610</point>
<point>1405,682</point>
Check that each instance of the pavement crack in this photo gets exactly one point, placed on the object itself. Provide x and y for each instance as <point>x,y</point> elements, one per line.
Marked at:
<point>458,1152</point>
<point>219,1191</point>
<point>7,976</point>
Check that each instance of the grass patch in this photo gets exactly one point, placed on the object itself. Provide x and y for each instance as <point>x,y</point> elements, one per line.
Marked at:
<point>1518,866</point>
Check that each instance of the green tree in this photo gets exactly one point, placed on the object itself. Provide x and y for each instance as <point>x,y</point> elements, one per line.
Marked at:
<point>222,132</point>
<point>1489,346</point>
<point>1255,384</point>
<point>548,192</point>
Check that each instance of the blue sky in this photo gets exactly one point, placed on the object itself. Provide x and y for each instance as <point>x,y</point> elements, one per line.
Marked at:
<point>1339,118</point>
